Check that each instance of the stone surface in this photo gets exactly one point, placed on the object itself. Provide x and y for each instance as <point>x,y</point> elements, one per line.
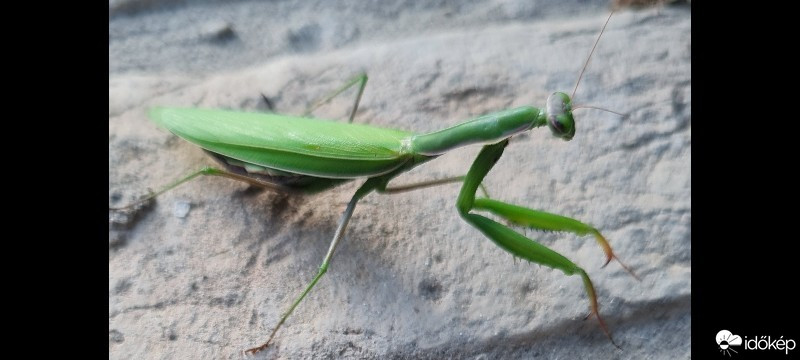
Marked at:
<point>411,279</point>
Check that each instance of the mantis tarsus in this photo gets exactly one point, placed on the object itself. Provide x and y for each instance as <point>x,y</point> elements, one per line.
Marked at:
<point>288,154</point>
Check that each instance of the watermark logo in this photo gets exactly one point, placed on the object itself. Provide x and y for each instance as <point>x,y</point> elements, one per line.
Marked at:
<point>726,339</point>
<point>768,343</point>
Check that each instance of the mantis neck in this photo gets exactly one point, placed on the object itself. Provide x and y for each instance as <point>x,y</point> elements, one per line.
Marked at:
<point>486,129</point>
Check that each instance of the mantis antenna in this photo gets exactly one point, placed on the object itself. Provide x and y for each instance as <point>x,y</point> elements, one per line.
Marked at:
<point>581,106</point>
<point>590,56</point>
<point>586,64</point>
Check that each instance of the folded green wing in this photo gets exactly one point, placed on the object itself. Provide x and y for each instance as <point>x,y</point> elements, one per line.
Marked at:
<point>305,146</point>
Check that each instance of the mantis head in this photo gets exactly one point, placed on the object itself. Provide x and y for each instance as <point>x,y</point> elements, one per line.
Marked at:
<point>559,105</point>
<point>559,116</point>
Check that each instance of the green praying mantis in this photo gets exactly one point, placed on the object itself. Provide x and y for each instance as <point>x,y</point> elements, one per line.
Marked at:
<point>305,155</point>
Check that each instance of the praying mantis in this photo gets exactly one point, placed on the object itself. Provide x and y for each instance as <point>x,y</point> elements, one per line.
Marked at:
<point>432,147</point>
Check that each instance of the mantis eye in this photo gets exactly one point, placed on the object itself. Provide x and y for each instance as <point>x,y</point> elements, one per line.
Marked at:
<point>559,116</point>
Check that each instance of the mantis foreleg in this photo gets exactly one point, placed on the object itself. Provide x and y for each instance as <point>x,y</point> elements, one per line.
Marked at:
<point>513,242</point>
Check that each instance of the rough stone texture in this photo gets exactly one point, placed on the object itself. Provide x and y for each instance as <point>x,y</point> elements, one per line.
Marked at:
<point>206,271</point>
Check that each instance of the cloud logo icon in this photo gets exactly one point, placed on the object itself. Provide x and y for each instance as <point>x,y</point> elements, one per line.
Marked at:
<point>726,339</point>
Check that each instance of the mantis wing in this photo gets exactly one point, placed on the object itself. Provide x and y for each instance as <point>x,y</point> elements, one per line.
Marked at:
<point>314,147</point>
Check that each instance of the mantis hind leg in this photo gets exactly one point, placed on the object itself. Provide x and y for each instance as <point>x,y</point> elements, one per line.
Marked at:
<point>360,80</point>
<point>514,242</point>
<point>211,172</point>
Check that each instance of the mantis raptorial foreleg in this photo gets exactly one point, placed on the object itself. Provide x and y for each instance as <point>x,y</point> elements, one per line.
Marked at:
<point>541,220</point>
<point>515,243</point>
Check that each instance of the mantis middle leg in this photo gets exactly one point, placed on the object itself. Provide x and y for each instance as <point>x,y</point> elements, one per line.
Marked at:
<point>365,189</point>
